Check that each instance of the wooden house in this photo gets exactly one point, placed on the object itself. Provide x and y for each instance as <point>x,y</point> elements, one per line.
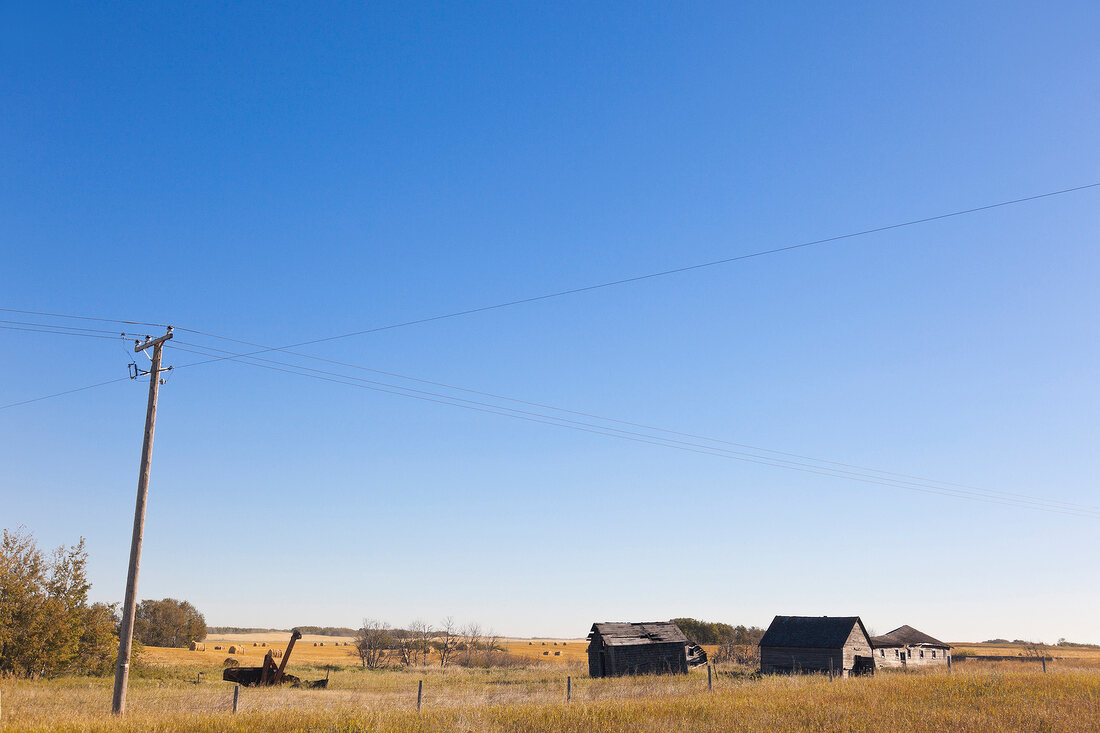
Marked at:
<point>827,644</point>
<point>638,648</point>
<point>906,647</point>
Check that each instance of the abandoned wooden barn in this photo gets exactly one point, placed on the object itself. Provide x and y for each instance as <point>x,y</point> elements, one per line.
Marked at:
<point>905,646</point>
<point>829,644</point>
<point>639,648</point>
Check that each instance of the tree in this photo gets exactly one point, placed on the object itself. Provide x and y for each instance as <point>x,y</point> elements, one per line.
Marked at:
<point>422,633</point>
<point>373,642</point>
<point>168,622</point>
<point>447,641</point>
<point>47,627</point>
<point>471,637</point>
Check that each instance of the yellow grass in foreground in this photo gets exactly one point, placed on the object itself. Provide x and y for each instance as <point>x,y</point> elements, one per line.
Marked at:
<point>989,697</point>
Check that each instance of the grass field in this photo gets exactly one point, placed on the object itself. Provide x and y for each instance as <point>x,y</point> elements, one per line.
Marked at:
<point>976,696</point>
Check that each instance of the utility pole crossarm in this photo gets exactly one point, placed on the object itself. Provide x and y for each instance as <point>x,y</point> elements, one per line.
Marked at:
<point>138,346</point>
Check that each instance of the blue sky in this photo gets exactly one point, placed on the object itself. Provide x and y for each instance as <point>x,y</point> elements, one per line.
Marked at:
<point>282,174</point>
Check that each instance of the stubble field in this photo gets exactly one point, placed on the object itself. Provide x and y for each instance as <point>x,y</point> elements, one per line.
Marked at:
<point>164,696</point>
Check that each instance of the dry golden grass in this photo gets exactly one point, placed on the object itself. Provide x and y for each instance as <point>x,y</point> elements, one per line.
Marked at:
<point>984,696</point>
<point>334,653</point>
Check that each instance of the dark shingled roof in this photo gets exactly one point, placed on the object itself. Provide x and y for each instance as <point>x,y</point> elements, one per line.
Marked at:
<point>648,632</point>
<point>812,632</point>
<point>906,636</point>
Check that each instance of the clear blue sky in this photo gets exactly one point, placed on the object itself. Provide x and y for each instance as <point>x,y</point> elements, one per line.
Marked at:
<point>280,174</point>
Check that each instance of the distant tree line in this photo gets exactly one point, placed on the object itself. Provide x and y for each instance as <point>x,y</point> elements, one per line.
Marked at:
<point>379,645</point>
<point>315,630</point>
<point>47,626</point>
<point>327,630</point>
<point>1024,642</point>
<point>714,632</point>
<point>737,644</point>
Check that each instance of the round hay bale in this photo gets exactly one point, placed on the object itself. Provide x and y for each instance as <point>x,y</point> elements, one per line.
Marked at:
<point>255,644</point>
<point>231,662</point>
<point>546,654</point>
<point>557,654</point>
<point>264,644</point>
<point>217,648</point>
<point>198,647</point>
<point>321,644</point>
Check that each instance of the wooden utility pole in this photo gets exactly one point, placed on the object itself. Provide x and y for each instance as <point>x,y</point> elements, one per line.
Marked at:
<point>129,604</point>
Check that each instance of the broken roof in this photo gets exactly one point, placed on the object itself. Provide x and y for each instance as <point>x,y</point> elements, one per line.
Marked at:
<point>646,632</point>
<point>812,632</point>
<point>906,636</point>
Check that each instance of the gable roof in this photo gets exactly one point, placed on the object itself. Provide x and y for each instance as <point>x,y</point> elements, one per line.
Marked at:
<point>813,632</point>
<point>647,632</point>
<point>906,636</point>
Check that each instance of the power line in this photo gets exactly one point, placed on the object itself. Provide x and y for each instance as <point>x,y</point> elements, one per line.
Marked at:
<point>64,333</point>
<point>59,394</point>
<point>840,465</point>
<point>677,270</point>
<point>322,375</point>
<point>82,318</point>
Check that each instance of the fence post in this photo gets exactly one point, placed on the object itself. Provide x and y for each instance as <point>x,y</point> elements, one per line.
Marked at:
<point>830,669</point>
<point>236,697</point>
<point>419,694</point>
<point>569,688</point>
<point>949,661</point>
<point>1044,664</point>
<point>710,678</point>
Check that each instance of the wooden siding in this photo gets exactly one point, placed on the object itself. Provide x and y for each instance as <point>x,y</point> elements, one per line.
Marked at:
<point>841,660</point>
<point>636,658</point>
<point>794,660</point>
<point>887,657</point>
<point>857,644</point>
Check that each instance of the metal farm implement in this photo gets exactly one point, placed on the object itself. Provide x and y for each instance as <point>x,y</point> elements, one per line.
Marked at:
<point>271,674</point>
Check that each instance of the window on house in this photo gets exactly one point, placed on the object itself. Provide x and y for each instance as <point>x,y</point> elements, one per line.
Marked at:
<point>933,653</point>
<point>882,652</point>
<point>922,654</point>
<point>908,653</point>
<point>896,653</point>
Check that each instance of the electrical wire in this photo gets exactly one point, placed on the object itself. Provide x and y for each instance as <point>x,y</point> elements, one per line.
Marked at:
<point>59,394</point>
<point>677,270</point>
<point>64,333</point>
<point>530,416</point>
<point>83,318</point>
<point>840,465</point>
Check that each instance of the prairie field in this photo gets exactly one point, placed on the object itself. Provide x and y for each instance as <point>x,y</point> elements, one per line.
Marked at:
<point>165,696</point>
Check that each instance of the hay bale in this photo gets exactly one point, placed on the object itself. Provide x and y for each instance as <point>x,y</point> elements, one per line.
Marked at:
<point>231,662</point>
<point>557,654</point>
<point>321,644</point>
<point>217,648</point>
<point>255,644</point>
<point>236,649</point>
<point>264,644</point>
<point>530,643</point>
<point>546,654</point>
<point>198,647</point>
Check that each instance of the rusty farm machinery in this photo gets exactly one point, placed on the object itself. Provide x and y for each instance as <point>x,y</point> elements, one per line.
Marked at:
<point>270,674</point>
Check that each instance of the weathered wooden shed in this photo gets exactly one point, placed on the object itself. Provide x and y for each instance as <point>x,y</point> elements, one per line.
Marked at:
<point>905,646</point>
<point>636,648</point>
<point>799,644</point>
